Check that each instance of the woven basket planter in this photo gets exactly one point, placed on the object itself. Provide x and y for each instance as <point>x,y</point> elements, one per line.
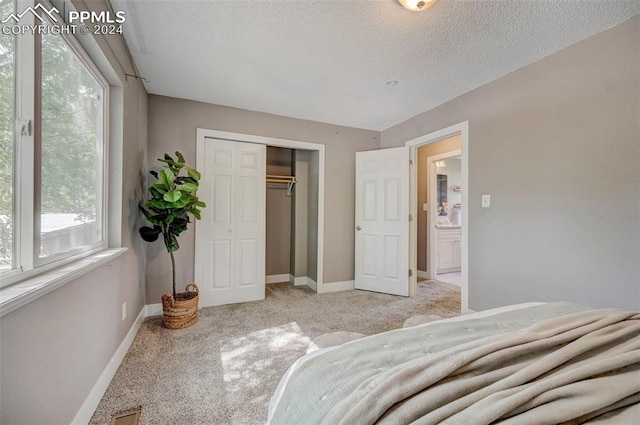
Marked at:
<point>181,312</point>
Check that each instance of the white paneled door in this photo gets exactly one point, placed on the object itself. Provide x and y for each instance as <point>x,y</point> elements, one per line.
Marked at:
<point>382,221</point>
<point>230,238</point>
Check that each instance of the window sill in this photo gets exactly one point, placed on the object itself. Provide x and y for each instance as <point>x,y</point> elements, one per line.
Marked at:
<point>15,296</point>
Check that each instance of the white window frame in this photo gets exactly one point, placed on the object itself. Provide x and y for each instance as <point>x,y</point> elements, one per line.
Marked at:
<point>34,279</point>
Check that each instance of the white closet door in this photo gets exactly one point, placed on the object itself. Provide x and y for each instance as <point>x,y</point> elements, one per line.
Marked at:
<point>382,221</point>
<point>230,238</point>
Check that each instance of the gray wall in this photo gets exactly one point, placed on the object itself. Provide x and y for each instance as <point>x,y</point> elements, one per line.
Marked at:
<point>424,152</point>
<point>312,221</point>
<point>557,145</point>
<point>299,213</point>
<point>172,125</point>
<point>55,348</point>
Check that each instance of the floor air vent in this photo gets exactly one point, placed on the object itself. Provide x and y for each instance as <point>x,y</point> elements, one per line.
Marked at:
<point>129,417</point>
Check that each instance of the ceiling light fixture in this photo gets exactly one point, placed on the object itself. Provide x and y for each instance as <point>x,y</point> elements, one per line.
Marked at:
<point>416,5</point>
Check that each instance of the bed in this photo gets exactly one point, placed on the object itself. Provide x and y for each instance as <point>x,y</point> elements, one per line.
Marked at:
<point>532,363</point>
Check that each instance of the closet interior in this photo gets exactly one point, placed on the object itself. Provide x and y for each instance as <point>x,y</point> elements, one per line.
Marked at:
<point>291,216</point>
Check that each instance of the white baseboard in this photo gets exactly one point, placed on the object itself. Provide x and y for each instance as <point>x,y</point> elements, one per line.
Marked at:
<point>277,278</point>
<point>311,283</point>
<point>93,399</point>
<point>467,311</point>
<point>449,270</point>
<point>151,310</point>
<point>423,275</point>
<point>337,286</point>
<point>301,280</point>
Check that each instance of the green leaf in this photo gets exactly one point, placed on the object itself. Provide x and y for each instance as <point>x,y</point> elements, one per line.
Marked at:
<point>154,173</point>
<point>196,213</point>
<point>194,174</point>
<point>171,242</point>
<point>159,213</point>
<point>180,203</point>
<point>166,177</point>
<point>177,229</point>
<point>156,220</point>
<point>160,187</point>
<point>174,166</point>
<point>158,203</point>
<point>144,211</point>
<point>181,221</point>
<point>174,215</point>
<point>150,234</point>
<point>188,187</point>
<point>186,179</point>
<point>200,204</point>
<point>172,196</point>
<point>180,157</point>
<point>157,191</point>
<point>152,217</point>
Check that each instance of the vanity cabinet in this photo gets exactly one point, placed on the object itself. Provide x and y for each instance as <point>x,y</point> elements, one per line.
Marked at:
<point>449,250</point>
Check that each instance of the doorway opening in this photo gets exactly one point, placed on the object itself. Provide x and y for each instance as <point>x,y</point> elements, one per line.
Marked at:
<point>459,132</point>
<point>291,216</point>
<point>444,220</point>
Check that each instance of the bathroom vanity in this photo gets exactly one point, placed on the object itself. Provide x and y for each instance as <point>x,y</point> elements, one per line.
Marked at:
<point>449,238</point>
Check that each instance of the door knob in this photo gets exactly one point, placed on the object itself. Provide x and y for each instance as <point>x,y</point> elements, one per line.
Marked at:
<point>358,228</point>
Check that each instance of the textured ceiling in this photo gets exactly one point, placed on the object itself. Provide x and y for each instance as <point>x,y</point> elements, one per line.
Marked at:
<point>330,61</point>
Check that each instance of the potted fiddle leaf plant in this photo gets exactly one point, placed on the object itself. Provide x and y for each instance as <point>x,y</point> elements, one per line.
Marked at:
<point>169,210</point>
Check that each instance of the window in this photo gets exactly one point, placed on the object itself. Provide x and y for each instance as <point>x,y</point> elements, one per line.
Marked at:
<point>7,116</point>
<point>53,150</point>
<point>71,152</point>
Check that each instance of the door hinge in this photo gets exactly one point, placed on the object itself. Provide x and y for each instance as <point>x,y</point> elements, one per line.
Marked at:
<point>410,272</point>
<point>24,127</point>
<point>410,217</point>
<point>410,162</point>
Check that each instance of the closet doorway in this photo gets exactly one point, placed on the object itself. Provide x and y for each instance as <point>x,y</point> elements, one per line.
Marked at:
<point>264,218</point>
<point>291,222</point>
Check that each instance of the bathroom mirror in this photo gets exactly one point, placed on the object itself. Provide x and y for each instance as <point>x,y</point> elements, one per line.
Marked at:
<point>441,184</point>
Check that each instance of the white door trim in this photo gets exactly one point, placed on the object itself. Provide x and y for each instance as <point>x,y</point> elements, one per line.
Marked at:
<point>461,129</point>
<point>203,133</point>
<point>431,196</point>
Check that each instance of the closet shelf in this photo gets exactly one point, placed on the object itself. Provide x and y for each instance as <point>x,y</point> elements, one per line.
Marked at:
<point>280,179</point>
<point>288,180</point>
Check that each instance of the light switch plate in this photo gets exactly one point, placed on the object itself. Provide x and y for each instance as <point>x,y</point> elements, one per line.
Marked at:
<point>424,207</point>
<point>486,201</point>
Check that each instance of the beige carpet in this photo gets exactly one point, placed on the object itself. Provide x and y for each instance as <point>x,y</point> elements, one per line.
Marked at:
<point>224,369</point>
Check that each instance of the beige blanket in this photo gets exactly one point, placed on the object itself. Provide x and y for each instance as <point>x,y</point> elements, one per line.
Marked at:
<point>569,369</point>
